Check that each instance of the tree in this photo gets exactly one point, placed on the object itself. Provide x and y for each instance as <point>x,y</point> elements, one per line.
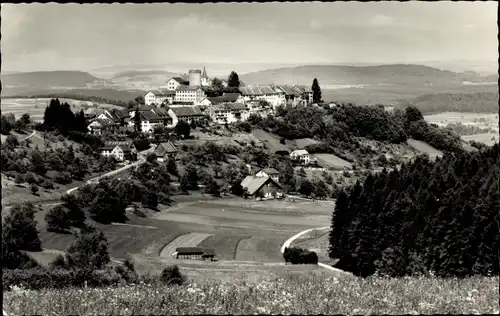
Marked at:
<point>316,91</point>
<point>137,120</point>
<point>306,188</point>
<point>34,189</point>
<point>139,99</point>
<point>12,141</point>
<point>89,250</point>
<point>217,171</point>
<point>302,173</point>
<point>184,183</point>
<point>183,129</point>
<point>76,216</point>
<point>19,229</point>
<point>107,206</point>
<point>212,188</point>
<point>320,189</point>
<point>172,166</point>
<point>19,179</point>
<point>150,199</point>
<point>233,80</point>
<point>57,219</point>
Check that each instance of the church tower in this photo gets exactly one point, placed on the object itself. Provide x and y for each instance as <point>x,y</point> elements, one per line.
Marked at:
<point>205,81</point>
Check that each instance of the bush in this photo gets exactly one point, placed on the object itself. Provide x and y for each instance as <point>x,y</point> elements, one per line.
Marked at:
<point>297,255</point>
<point>171,275</point>
<point>18,260</point>
<point>40,278</point>
<point>90,249</point>
<point>34,189</point>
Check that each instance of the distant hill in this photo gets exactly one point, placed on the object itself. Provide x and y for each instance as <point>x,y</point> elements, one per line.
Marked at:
<point>107,95</point>
<point>51,79</point>
<point>399,74</point>
<point>142,74</point>
<point>482,102</point>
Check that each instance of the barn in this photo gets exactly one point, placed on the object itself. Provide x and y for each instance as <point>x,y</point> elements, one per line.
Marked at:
<point>194,253</point>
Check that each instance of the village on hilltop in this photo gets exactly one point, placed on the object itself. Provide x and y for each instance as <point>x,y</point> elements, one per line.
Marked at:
<point>185,100</point>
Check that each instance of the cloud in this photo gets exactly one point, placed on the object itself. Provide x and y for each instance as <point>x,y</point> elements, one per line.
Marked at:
<point>315,25</point>
<point>382,20</point>
<point>196,22</point>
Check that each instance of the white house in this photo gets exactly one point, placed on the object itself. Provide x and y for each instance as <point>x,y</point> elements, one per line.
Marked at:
<point>119,152</point>
<point>149,98</point>
<point>301,155</point>
<point>175,82</point>
<point>159,97</point>
<point>228,113</point>
<point>269,172</point>
<point>189,94</point>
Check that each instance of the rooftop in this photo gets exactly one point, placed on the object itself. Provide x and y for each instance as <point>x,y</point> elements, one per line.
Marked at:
<point>164,148</point>
<point>253,183</point>
<point>187,111</point>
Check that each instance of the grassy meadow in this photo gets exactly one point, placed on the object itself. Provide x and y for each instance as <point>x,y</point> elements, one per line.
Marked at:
<point>292,294</point>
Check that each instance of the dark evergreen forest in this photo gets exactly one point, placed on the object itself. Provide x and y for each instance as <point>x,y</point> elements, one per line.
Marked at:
<point>441,217</point>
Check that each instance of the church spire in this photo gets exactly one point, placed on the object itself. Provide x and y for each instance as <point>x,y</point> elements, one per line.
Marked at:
<point>204,74</point>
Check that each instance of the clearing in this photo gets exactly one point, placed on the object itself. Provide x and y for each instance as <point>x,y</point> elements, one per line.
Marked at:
<point>424,148</point>
<point>330,160</point>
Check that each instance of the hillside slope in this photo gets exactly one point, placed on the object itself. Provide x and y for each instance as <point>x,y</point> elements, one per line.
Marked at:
<point>335,74</point>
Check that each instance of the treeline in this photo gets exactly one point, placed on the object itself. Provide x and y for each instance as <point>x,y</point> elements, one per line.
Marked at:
<point>59,117</point>
<point>440,217</point>
<point>339,126</point>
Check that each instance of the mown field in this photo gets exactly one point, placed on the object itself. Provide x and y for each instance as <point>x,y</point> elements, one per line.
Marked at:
<point>36,107</point>
<point>288,294</point>
<point>236,229</point>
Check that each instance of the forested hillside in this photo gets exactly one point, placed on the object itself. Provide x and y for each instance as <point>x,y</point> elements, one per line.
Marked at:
<point>338,128</point>
<point>441,217</point>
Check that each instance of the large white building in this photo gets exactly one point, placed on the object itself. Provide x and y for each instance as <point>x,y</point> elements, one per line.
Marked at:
<point>189,94</point>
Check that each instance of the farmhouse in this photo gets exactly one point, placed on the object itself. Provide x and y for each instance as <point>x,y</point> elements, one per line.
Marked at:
<point>187,113</point>
<point>149,120</point>
<point>302,156</point>
<point>227,113</point>
<point>100,125</point>
<point>268,93</point>
<point>263,187</point>
<point>164,151</point>
<point>119,152</point>
<point>120,117</point>
<point>269,172</point>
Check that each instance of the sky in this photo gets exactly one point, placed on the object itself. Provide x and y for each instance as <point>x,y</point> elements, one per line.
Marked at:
<point>84,37</point>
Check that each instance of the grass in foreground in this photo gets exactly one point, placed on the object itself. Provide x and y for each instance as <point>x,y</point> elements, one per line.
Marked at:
<point>297,295</point>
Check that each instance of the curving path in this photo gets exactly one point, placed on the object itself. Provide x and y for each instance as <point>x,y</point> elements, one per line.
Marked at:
<point>96,179</point>
<point>291,239</point>
<point>29,136</point>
